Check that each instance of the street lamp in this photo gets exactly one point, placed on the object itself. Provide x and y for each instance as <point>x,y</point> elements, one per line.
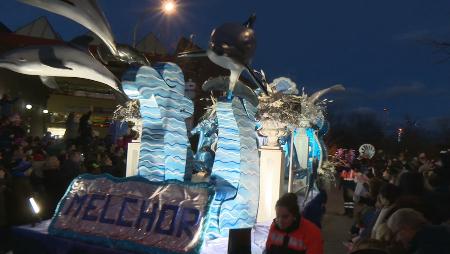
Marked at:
<point>28,106</point>
<point>168,8</point>
<point>399,135</point>
<point>45,111</point>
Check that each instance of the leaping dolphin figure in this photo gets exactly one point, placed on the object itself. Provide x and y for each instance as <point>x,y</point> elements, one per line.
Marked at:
<point>84,12</point>
<point>59,61</point>
<point>232,46</point>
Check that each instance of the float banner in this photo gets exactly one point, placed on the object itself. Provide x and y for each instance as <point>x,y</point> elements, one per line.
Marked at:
<point>134,214</point>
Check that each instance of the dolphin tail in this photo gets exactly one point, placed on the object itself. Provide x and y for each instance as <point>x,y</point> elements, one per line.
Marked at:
<point>50,82</point>
<point>315,96</point>
<point>256,80</point>
<point>73,9</point>
<point>251,21</point>
<point>193,53</point>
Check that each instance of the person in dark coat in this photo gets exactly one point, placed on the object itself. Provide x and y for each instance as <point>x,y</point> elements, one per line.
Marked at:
<point>315,210</point>
<point>417,235</point>
<point>6,104</point>
<point>71,129</point>
<point>71,168</point>
<point>54,183</point>
<point>85,130</point>
<point>4,185</point>
<point>4,222</point>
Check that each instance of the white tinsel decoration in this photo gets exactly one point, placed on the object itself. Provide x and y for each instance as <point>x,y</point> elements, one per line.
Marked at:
<point>286,105</point>
<point>128,112</point>
<point>326,174</point>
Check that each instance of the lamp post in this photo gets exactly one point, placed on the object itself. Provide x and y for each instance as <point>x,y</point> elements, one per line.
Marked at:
<point>140,20</point>
<point>168,8</point>
<point>399,134</point>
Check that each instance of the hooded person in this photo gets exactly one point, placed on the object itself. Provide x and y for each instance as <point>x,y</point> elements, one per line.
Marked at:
<point>290,232</point>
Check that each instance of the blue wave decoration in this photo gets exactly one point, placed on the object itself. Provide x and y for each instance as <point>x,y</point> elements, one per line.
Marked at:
<point>233,207</point>
<point>241,211</point>
<point>164,108</point>
<point>226,168</point>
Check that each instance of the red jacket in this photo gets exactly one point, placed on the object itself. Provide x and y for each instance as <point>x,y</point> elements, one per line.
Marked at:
<point>348,175</point>
<point>303,238</point>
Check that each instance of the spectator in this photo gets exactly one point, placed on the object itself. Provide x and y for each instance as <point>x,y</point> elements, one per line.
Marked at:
<point>71,168</point>
<point>290,232</point>
<point>85,130</point>
<point>47,139</point>
<point>119,161</point>
<point>411,183</point>
<point>22,189</point>
<point>92,167</point>
<point>108,168</point>
<point>71,129</point>
<point>6,103</point>
<point>4,223</point>
<point>315,209</point>
<point>54,183</point>
<point>424,163</point>
<point>14,130</point>
<point>389,193</point>
<point>417,235</point>
<point>391,173</point>
<point>348,187</point>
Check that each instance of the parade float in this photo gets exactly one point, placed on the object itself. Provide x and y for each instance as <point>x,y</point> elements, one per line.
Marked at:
<point>158,209</point>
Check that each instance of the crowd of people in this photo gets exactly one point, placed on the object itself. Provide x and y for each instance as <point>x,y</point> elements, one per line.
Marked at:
<point>42,168</point>
<point>399,204</point>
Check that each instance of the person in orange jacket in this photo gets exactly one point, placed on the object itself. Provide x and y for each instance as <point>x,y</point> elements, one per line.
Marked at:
<point>290,233</point>
<point>348,185</point>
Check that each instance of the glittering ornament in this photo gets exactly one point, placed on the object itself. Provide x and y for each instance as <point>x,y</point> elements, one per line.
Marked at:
<point>128,112</point>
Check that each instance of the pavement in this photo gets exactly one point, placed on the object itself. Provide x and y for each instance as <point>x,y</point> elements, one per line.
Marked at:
<point>335,227</point>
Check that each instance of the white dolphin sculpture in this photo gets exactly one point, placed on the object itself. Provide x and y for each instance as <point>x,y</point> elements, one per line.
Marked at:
<point>58,61</point>
<point>84,12</point>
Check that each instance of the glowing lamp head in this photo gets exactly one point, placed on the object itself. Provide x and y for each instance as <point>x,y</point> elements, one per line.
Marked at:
<point>169,7</point>
<point>34,205</point>
<point>45,111</point>
<point>28,106</point>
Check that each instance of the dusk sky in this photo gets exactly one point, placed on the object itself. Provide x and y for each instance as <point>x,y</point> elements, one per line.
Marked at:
<point>375,48</point>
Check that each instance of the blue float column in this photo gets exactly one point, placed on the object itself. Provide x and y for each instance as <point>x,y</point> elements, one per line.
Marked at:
<point>164,142</point>
<point>242,210</point>
<point>150,163</point>
<point>235,170</point>
<point>175,108</point>
<point>226,170</point>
